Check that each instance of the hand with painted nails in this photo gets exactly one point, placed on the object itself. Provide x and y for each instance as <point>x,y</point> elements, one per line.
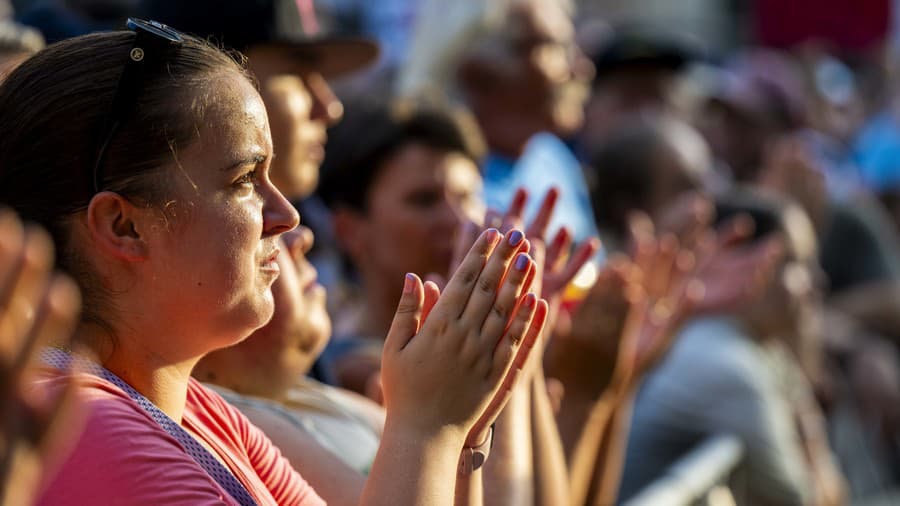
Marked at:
<point>451,358</point>
<point>559,263</point>
<point>36,306</point>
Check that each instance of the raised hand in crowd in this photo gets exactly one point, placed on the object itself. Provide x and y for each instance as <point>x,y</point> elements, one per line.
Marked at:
<point>447,374</point>
<point>36,306</point>
<point>627,323</point>
<point>789,169</point>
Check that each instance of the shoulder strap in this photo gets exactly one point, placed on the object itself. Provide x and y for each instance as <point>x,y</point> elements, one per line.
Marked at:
<point>63,361</point>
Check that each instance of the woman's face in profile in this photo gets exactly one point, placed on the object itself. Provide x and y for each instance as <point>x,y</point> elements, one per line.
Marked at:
<point>215,256</point>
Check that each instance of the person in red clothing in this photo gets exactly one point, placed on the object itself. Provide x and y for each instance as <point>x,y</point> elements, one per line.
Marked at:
<point>146,154</point>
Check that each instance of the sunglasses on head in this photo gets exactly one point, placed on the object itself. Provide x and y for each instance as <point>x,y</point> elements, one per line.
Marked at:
<point>152,40</point>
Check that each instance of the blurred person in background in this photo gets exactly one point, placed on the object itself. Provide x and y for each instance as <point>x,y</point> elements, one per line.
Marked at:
<point>753,122</point>
<point>516,66</point>
<point>17,41</point>
<point>292,61</point>
<point>656,163</point>
<point>732,373</point>
<point>62,19</point>
<point>400,182</point>
<point>638,70</point>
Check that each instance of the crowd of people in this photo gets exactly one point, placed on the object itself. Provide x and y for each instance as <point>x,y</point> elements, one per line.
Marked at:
<point>471,252</point>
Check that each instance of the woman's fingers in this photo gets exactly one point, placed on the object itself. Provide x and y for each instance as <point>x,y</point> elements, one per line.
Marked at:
<point>504,304</point>
<point>513,217</point>
<point>525,333</point>
<point>408,315</point>
<point>538,227</point>
<point>485,291</point>
<point>558,252</point>
<point>512,353</point>
<point>459,289</point>
<point>25,298</point>
<point>562,276</point>
<point>12,241</point>
<point>56,319</point>
<point>660,268</point>
<point>432,294</point>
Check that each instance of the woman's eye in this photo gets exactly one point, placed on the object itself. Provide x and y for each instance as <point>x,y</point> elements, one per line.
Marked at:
<point>246,179</point>
<point>423,199</point>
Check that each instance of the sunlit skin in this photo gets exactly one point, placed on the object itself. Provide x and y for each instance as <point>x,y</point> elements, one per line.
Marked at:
<point>271,360</point>
<point>416,204</point>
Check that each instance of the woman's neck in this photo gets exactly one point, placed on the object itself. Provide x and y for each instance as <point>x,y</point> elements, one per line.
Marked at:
<point>162,381</point>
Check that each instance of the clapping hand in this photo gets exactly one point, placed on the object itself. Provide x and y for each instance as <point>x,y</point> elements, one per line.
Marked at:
<point>629,318</point>
<point>451,358</point>
<point>36,306</point>
<point>557,263</point>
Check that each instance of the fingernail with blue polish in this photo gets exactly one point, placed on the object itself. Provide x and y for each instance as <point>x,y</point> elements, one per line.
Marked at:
<point>522,262</point>
<point>515,237</point>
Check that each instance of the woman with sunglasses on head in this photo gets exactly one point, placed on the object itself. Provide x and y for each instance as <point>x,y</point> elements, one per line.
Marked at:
<point>146,156</point>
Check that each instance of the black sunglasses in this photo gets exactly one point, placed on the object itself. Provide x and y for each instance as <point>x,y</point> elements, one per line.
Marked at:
<point>151,41</point>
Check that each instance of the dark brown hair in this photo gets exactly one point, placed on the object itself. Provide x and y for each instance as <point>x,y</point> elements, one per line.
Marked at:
<point>52,112</point>
<point>373,132</point>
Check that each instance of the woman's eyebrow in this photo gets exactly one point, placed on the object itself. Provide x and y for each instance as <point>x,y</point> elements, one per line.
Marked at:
<point>251,160</point>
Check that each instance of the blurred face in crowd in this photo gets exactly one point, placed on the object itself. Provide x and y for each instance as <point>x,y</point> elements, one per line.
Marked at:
<point>625,92</point>
<point>301,107</point>
<point>415,206</point>
<point>269,362</point>
<point>735,138</point>
<point>682,164</point>
<point>794,295</point>
<point>546,74</point>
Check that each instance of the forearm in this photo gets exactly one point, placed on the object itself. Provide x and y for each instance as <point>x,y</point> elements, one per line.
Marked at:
<point>611,454</point>
<point>583,424</point>
<point>551,485</point>
<point>828,483</point>
<point>469,489</point>
<point>412,468</point>
<point>508,473</point>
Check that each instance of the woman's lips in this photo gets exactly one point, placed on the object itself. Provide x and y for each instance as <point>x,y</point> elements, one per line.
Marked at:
<point>271,262</point>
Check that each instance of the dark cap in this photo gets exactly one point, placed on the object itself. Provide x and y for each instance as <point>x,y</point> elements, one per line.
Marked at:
<point>762,85</point>
<point>289,25</point>
<point>643,47</point>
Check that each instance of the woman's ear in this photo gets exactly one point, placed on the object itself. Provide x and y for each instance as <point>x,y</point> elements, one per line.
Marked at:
<point>115,226</point>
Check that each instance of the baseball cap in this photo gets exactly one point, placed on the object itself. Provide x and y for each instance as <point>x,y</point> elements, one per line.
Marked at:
<point>630,47</point>
<point>288,25</point>
<point>763,85</point>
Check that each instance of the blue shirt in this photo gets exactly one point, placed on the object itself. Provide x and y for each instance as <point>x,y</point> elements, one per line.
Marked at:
<point>546,162</point>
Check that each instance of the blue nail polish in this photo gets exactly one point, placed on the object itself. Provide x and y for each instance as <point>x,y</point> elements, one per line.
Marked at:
<point>521,262</point>
<point>515,237</point>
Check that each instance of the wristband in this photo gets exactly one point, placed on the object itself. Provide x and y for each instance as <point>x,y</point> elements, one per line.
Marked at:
<point>472,458</point>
